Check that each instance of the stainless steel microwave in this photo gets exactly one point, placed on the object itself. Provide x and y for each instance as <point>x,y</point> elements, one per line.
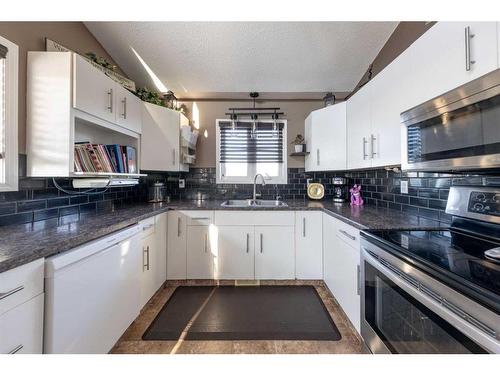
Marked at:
<point>459,130</point>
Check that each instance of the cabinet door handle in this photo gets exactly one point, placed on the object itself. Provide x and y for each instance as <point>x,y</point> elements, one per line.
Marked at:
<point>468,59</point>
<point>178,227</point>
<point>206,241</point>
<point>147,227</point>
<point>261,243</point>
<point>11,292</point>
<point>372,144</point>
<point>248,243</point>
<point>145,251</point>
<point>358,269</point>
<point>200,218</point>
<point>347,234</point>
<point>110,96</point>
<point>124,101</point>
<point>148,257</point>
<point>317,156</point>
<point>303,227</point>
<point>16,349</point>
<point>173,156</point>
<point>365,155</point>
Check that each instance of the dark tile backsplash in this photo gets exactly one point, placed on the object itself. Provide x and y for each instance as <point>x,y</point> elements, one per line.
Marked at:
<point>38,199</point>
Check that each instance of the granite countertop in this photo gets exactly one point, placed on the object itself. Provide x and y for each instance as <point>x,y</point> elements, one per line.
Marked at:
<point>21,244</point>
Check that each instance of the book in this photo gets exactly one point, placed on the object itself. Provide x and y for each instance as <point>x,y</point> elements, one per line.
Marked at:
<point>104,158</point>
<point>131,159</point>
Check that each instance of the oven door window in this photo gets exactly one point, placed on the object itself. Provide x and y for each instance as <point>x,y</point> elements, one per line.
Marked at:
<point>405,325</point>
<point>473,130</point>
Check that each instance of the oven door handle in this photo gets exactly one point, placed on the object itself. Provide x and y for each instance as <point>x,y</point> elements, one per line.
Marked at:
<point>488,342</point>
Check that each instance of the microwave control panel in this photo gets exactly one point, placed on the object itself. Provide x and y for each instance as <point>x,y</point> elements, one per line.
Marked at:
<point>484,203</point>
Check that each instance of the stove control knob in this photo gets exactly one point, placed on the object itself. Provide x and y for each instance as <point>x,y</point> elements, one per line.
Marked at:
<point>496,198</point>
<point>481,197</point>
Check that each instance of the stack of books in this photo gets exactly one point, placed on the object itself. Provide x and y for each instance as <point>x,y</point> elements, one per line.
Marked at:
<point>105,158</point>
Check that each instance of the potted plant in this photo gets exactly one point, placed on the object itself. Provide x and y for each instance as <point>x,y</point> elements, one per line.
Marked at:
<point>299,143</point>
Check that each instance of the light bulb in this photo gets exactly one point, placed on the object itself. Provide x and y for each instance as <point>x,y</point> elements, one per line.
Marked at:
<point>205,133</point>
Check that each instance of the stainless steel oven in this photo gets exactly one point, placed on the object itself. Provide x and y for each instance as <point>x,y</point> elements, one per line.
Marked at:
<point>404,310</point>
<point>459,130</point>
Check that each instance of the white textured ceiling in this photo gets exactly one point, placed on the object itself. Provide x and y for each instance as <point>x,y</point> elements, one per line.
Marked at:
<point>197,58</point>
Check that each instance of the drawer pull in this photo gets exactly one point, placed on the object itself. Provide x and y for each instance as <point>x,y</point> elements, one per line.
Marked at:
<point>350,236</point>
<point>11,292</point>
<point>147,227</point>
<point>261,243</point>
<point>16,349</point>
<point>200,218</point>
<point>248,243</point>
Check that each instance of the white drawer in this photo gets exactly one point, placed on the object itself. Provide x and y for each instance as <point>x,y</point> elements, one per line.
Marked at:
<point>147,226</point>
<point>199,217</point>
<point>20,284</point>
<point>348,234</point>
<point>269,218</point>
<point>21,328</point>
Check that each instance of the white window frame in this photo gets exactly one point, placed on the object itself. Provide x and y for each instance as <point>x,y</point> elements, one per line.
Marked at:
<point>282,179</point>
<point>10,162</point>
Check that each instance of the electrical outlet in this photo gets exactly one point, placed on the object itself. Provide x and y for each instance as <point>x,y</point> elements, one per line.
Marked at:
<point>404,187</point>
<point>182,183</point>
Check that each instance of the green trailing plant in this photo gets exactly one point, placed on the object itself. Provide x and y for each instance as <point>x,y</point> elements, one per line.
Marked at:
<point>149,96</point>
<point>100,61</point>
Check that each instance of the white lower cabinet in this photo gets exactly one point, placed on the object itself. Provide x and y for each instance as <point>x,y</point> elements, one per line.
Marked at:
<point>274,252</point>
<point>341,266</point>
<point>308,245</point>
<point>236,253</point>
<point>154,254</point>
<point>21,329</point>
<point>200,255</point>
<point>176,245</point>
<point>21,309</point>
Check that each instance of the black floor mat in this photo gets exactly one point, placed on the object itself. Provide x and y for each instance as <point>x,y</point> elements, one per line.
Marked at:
<point>245,313</point>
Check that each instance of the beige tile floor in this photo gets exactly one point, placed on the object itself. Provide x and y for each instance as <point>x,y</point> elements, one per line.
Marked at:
<point>131,343</point>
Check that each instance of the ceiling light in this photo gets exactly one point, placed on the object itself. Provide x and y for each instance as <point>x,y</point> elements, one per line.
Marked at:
<point>158,83</point>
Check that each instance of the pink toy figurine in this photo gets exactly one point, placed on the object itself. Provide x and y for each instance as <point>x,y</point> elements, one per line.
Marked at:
<point>356,199</point>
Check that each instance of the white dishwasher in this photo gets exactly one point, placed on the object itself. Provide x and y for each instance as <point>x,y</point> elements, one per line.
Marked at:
<point>92,293</point>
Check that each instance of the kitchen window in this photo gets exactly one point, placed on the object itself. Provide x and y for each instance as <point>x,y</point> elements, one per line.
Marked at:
<point>246,148</point>
<point>8,115</point>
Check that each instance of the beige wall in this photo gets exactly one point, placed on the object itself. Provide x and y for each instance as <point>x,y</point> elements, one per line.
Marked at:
<point>209,111</point>
<point>30,36</point>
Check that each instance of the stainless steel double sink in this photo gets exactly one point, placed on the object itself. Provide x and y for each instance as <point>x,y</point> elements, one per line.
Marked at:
<point>241,203</point>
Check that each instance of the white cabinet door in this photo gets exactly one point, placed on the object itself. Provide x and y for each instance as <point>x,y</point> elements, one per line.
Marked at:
<point>200,254</point>
<point>159,139</point>
<point>94,92</point>
<point>149,262</point>
<point>128,109</point>
<point>236,258</point>
<point>329,126</point>
<point>308,245</point>
<point>359,128</point>
<point>160,256</point>
<point>274,252</point>
<point>176,246</point>
<point>392,94</point>
<point>310,159</point>
<point>440,59</point>
<point>341,270</point>
<point>21,329</point>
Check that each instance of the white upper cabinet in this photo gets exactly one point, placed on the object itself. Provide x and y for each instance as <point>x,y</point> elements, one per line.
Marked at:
<point>94,92</point>
<point>359,128</point>
<point>128,109</point>
<point>100,96</point>
<point>325,139</point>
<point>160,139</point>
<point>450,54</point>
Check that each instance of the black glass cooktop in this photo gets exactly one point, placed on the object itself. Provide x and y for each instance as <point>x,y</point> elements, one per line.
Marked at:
<point>450,251</point>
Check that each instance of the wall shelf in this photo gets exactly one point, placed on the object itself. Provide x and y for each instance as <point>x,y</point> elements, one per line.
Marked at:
<point>300,153</point>
<point>106,174</point>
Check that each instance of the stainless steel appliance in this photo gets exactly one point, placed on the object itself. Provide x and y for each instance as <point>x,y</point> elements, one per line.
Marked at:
<point>157,192</point>
<point>459,130</point>
<point>339,189</point>
<point>435,291</point>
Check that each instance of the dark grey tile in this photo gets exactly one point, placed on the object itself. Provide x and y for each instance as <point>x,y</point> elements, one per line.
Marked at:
<point>88,207</point>
<point>7,208</point>
<point>22,218</point>
<point>79,199</point>
<point>431,214</point>
<point>45,214</point>
<point>428,193</point>
<point>419,202</point>
<point>70,210</point>
<point>438,204</point>
<point>24,206</point>
<point>57,202</point>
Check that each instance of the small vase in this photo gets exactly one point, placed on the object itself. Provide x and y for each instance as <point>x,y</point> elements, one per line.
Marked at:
<point>299,148</point>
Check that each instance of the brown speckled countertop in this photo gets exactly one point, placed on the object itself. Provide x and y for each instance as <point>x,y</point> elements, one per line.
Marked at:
<point>21,244</point>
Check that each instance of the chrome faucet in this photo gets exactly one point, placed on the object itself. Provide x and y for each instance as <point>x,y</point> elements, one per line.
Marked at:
<point>255,185</point>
